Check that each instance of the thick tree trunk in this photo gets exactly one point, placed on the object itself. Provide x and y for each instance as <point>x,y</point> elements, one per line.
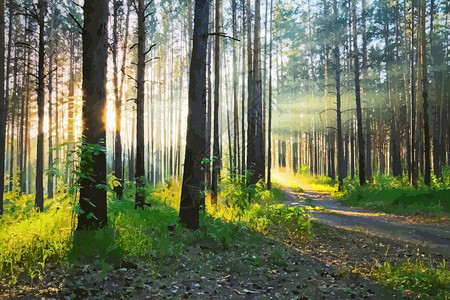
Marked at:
<point>192,187</point>
<point>95,52</point>
<point>255,146</point>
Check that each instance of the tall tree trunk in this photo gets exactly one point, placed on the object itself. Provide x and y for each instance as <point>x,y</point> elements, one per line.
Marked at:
<point>365,67</point>
<point>14,103</point>
<point>361,159</point>
<point>140,100</point>
<point>191,199</point>
<point>5,91</point>
<point>337,65</point>
<point>235,93</point>
<point>57,116</point>
<point>426,122</point>
<point>39,200</point>
<point>95,52</point>
<point>71,107</point>
<point>118,171</point>
<point>208,131</point>
<point>414,157</point>
<point>255,147</point>
<point>244,22</point>
<point>24,103</point>
<point>50,109</point>
<point>269,125</point>
<point>2,102</point>
<point>216,151</point>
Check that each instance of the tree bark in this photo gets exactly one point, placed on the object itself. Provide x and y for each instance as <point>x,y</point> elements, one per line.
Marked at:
<point>95,52</point>
<point>50,109</point>
<point>255,147</point>
<point>2,102</point>
<point>426,122</point>
<point>191,198</point>
<point>140,100</point>
<point>118,170</point>
<point>235,93</point>
<point>269,125</point>
<point>361,159</point>
<point>243,160</point>
<point>39,200</point>
<point>337,65</point>
<point>216,151</point>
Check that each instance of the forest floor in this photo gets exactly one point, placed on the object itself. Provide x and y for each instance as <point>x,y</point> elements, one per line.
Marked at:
<point>348,244</point>
<point>252,266</point>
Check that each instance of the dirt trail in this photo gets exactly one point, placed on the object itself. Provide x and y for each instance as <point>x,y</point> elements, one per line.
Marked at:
<point>434,236</point>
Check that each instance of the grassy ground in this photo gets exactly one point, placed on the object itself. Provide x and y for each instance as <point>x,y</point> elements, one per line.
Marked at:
<point>403,267</point>
<point>243,249</point>
<point>384,194</point>
<point>395,195</point>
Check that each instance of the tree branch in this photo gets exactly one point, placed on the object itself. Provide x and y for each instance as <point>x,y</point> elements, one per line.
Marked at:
<point>76,21</point>
<point>222,34</point>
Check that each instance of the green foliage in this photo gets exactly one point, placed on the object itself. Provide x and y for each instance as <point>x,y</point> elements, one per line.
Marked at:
<point>319,182</point>
<point>237,193</point>
<point>29,242</point>
<point>303,169</point>
<point>423,278</point>
<point>215,229</point>
<point>277,218</point>
<point>145,233</point>
<point>396,195</point>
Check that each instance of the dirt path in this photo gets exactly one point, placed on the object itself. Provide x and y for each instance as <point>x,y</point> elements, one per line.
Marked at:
<point>435,237</point>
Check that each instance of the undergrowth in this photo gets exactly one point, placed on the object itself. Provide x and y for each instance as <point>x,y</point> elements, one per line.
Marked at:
<point>30,241</point>
<point>395,195</point>
<point>422,278</point>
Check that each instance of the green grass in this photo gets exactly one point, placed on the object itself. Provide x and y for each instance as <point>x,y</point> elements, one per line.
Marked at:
<point>30,242</point>
<point>422,278</point>
<point>33,240</point>
<point>395,195</point>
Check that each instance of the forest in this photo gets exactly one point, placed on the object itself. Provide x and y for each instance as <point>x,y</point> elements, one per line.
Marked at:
<point>224,149</point>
